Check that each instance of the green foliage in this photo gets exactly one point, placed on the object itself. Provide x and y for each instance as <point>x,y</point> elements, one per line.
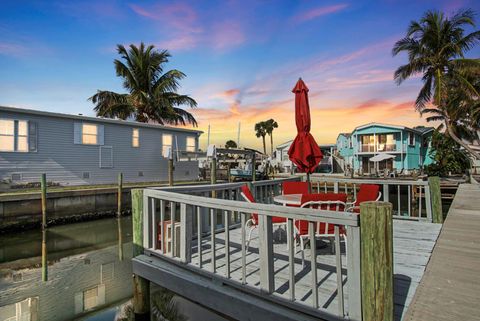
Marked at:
<point>261,131</point>
<point>230,144</point>
<point>436,46</point>
<point>448,156</point>
<point>152,93</point>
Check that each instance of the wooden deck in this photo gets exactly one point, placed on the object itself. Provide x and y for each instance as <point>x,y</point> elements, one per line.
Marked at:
<point>450,288</point>
<point>413,243</point>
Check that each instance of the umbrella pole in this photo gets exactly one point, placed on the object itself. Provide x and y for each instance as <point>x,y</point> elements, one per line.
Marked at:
<point>309,185</point>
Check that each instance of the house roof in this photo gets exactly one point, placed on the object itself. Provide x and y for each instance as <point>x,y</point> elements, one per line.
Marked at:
<point>285,144</point>
<point>96,119</point>
<point>344,134</point>
<point>419,129</point>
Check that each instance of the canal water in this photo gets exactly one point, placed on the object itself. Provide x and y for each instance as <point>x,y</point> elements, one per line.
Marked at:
<point>79,271</point>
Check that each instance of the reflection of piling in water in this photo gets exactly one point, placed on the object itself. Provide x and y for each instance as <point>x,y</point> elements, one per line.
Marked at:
<point>120,239</point>
<point>44,256</point>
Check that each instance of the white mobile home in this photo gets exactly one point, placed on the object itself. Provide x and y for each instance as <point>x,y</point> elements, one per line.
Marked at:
<point>75,149</point>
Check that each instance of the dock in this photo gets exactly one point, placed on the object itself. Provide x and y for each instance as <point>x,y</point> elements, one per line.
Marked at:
<point>413,244</point>
<point>207,261</point>
<point>450,287</point>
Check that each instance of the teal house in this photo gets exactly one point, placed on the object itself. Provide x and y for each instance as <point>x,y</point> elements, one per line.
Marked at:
<point>376,147</point>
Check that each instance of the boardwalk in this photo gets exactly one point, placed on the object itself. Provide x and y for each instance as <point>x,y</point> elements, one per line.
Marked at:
<point>450,288</point>
<point>413,243</point>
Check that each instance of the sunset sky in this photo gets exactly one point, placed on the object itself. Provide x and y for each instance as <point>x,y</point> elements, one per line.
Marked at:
<point>242,58</point>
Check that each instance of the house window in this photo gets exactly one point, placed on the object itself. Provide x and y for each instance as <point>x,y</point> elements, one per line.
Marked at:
<point>190,144</point>
<point>89,134</point>
<point>13,135</point>
<point>135,137</point>
<point>166,144</point>
<point>411,139</point>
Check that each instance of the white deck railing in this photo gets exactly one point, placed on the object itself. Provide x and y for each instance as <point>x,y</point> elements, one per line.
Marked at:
<point>410,198</point>
<point>192,207</point>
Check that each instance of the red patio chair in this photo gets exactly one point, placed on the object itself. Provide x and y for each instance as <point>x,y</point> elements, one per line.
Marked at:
<point>295,188</point>
<point>367,193</point>
<point>252,223</point>
<point>323,230</point>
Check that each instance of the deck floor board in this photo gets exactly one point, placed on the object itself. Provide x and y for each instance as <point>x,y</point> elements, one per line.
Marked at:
<point>450,287</point>
<point>413,244</point>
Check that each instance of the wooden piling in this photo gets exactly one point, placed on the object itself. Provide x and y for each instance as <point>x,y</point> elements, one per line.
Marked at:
<point>119,194</point>
<point>254,165</point>
<point>213,171</point>
<point>141,286</point>
<point>376,248</point>
<point>436,199</point>
<point>43,186</point>
<point>171,168</point>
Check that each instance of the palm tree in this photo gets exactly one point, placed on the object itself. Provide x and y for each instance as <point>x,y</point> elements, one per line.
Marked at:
<point>270,125</point>
<point>436,47</point>
<point>230,144</point>
<point>260,131</point>
<point>151,93</point>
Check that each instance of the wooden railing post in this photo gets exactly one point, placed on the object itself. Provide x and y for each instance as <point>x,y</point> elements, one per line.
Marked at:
<point>435,199</point>
<point>186,231</point>
<point>119,194</point>
<point>141,286</point>
<point>376,257</point>
<point>43,185</point>
<point>265,247</point>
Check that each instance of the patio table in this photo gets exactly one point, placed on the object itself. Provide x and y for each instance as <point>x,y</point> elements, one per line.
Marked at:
<point>288,199</point>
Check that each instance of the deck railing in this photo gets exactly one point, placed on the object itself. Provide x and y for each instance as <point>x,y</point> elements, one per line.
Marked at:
<point>173,217</point>
<point>411,199</point>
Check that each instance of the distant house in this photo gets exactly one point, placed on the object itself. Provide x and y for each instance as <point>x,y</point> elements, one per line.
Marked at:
<point>284,162</point>
<point>75,149</point>
<point>409,147</point>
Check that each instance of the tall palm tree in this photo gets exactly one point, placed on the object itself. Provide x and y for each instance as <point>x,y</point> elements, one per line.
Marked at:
<point>270,125</point>
<point>151,93</point>
<point>436,47</point>
<point>260,131</point>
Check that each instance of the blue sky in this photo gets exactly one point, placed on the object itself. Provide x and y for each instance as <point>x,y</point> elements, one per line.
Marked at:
<point>242,58</point>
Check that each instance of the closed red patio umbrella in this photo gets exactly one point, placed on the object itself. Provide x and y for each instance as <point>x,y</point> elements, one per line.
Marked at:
<point>304,151</point>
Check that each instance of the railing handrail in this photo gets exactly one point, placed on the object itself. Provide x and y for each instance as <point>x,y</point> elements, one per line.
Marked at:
<point>276,180</point>
<point>199,188</point>
<point>314,215</point>
<point>378,181</point>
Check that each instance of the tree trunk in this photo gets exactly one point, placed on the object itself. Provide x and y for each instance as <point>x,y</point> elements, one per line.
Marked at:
<point>450,133</point>
<point>271,144</point>
<point>264,145</point>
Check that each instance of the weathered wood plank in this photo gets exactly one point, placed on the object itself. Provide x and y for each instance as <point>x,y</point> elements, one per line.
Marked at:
<point>376,230</point>
<point>450,287</point>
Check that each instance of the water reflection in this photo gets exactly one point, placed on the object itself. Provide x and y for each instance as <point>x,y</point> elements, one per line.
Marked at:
<point>87,268</point>
<point>79,271</point>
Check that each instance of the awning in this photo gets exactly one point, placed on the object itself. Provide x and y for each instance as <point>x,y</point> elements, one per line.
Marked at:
<point>381,157</point>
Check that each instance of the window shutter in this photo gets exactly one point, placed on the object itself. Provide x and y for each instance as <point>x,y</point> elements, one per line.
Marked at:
<point>77,133</point>
<point>32,136</point>
<point>101,135</point>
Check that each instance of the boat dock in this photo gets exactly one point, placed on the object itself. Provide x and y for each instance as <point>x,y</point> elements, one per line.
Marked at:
<point>450,287</point>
